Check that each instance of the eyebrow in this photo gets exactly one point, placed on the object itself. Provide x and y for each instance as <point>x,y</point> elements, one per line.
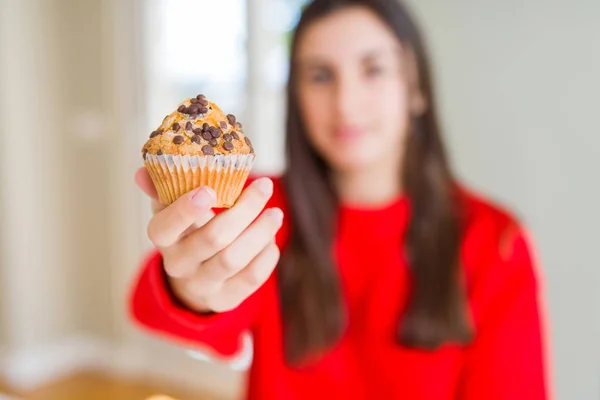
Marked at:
<point>372,54</point>
<point>319,61</point>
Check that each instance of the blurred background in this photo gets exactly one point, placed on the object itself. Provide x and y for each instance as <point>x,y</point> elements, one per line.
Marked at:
<point>83,82</point>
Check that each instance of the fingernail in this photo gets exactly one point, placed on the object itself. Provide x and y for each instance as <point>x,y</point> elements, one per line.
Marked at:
<point>204,197</point>
<point>276,214</point>
<point>265,186</point>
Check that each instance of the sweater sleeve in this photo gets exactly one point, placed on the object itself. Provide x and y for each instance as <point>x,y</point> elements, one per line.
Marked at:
<point>506,360</point>
<point>154,308</point>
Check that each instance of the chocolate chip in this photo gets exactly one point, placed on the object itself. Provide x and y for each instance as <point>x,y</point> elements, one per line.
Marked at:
<point>214,131</point>
<point>175,126</point>
<point>235,135</point>
<point>145,152</point>
<point>227,137</point>
<point>159,153</point>
<point>181,108</point>
<point>249,143</point>
<point>193,116</point>
<point>194,101</point>
<point>207,150</point>
<point>239,125</point>
<point>188,126</point>
<point>156,133</point>
<point>197,131</point>
<point>196,139</point>
<point>178,139</point>
<point>228,146</point>
<point>203,110</point>
<point>206,135</point>
<point>203,102</point>
<point>213,142</point>
<point>193,109</point>
<point>231,119</point>
<point>223,125</point>
<point>205,126</point>
<point>200,97</point>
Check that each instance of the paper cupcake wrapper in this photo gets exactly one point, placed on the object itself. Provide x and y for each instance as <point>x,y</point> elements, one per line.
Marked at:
<point>173,176</point>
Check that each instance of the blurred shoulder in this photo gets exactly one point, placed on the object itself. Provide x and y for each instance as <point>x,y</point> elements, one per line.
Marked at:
<point>482,212</point>
<point>497,257</point>
<point>491,230</point>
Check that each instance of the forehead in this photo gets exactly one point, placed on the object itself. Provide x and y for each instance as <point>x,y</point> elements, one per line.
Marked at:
<point>346,34</point>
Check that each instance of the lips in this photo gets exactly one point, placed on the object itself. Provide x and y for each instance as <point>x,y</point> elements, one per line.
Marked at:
<point>349,133</point>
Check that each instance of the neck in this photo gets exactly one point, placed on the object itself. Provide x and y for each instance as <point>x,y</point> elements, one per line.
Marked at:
<point>368,186</point>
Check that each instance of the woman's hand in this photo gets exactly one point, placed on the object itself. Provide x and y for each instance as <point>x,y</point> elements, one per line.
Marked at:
<point>214,262</point>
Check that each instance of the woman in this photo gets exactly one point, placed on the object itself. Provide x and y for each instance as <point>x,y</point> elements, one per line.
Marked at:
<point>394,281</point>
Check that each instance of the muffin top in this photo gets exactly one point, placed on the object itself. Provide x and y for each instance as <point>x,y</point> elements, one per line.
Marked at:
<point>198,127</point>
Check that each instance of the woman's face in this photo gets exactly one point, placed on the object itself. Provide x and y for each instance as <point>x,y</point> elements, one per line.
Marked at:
<point>353,94</point>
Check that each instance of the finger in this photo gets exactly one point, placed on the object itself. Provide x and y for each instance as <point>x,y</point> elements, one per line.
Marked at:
<point>183,259</point>
<point>186,256</point>
<point>244,249</point>
<point>241,286</point>
<point>226,226</point>
<point>144,181</point>
<point>199,222</point>
<point>166,227</point>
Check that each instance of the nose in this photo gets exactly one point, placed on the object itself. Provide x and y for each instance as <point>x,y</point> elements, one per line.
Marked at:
<point>348,98</point>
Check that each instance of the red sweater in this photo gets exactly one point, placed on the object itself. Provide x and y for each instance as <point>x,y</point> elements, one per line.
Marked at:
<point>504,362</point>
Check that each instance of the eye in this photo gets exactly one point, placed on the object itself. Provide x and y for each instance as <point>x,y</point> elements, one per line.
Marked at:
<point>320,76</point>
<point>374,70</point>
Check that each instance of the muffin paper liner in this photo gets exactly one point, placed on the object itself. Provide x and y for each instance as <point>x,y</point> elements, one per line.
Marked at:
<point>175,175</point>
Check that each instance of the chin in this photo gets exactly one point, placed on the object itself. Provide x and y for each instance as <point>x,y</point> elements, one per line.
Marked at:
<point>352,155</point>
<point>349,162</point>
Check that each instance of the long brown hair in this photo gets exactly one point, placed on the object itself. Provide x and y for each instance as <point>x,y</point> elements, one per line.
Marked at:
<point>312,306</point>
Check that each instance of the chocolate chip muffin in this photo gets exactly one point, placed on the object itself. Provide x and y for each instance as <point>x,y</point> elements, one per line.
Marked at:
<point>198,145</point>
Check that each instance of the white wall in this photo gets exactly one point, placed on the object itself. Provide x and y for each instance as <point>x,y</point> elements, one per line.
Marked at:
<point>72,224</point>
<point>519,85</point>
<point>31,187</point>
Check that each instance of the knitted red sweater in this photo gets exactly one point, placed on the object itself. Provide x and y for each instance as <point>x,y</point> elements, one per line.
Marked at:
<point>505,361</point>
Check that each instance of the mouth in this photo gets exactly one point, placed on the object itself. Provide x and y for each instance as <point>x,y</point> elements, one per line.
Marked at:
<point>349,133</point>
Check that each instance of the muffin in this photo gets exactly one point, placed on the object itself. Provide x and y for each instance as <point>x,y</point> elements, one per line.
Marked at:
<point>198,145</point>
